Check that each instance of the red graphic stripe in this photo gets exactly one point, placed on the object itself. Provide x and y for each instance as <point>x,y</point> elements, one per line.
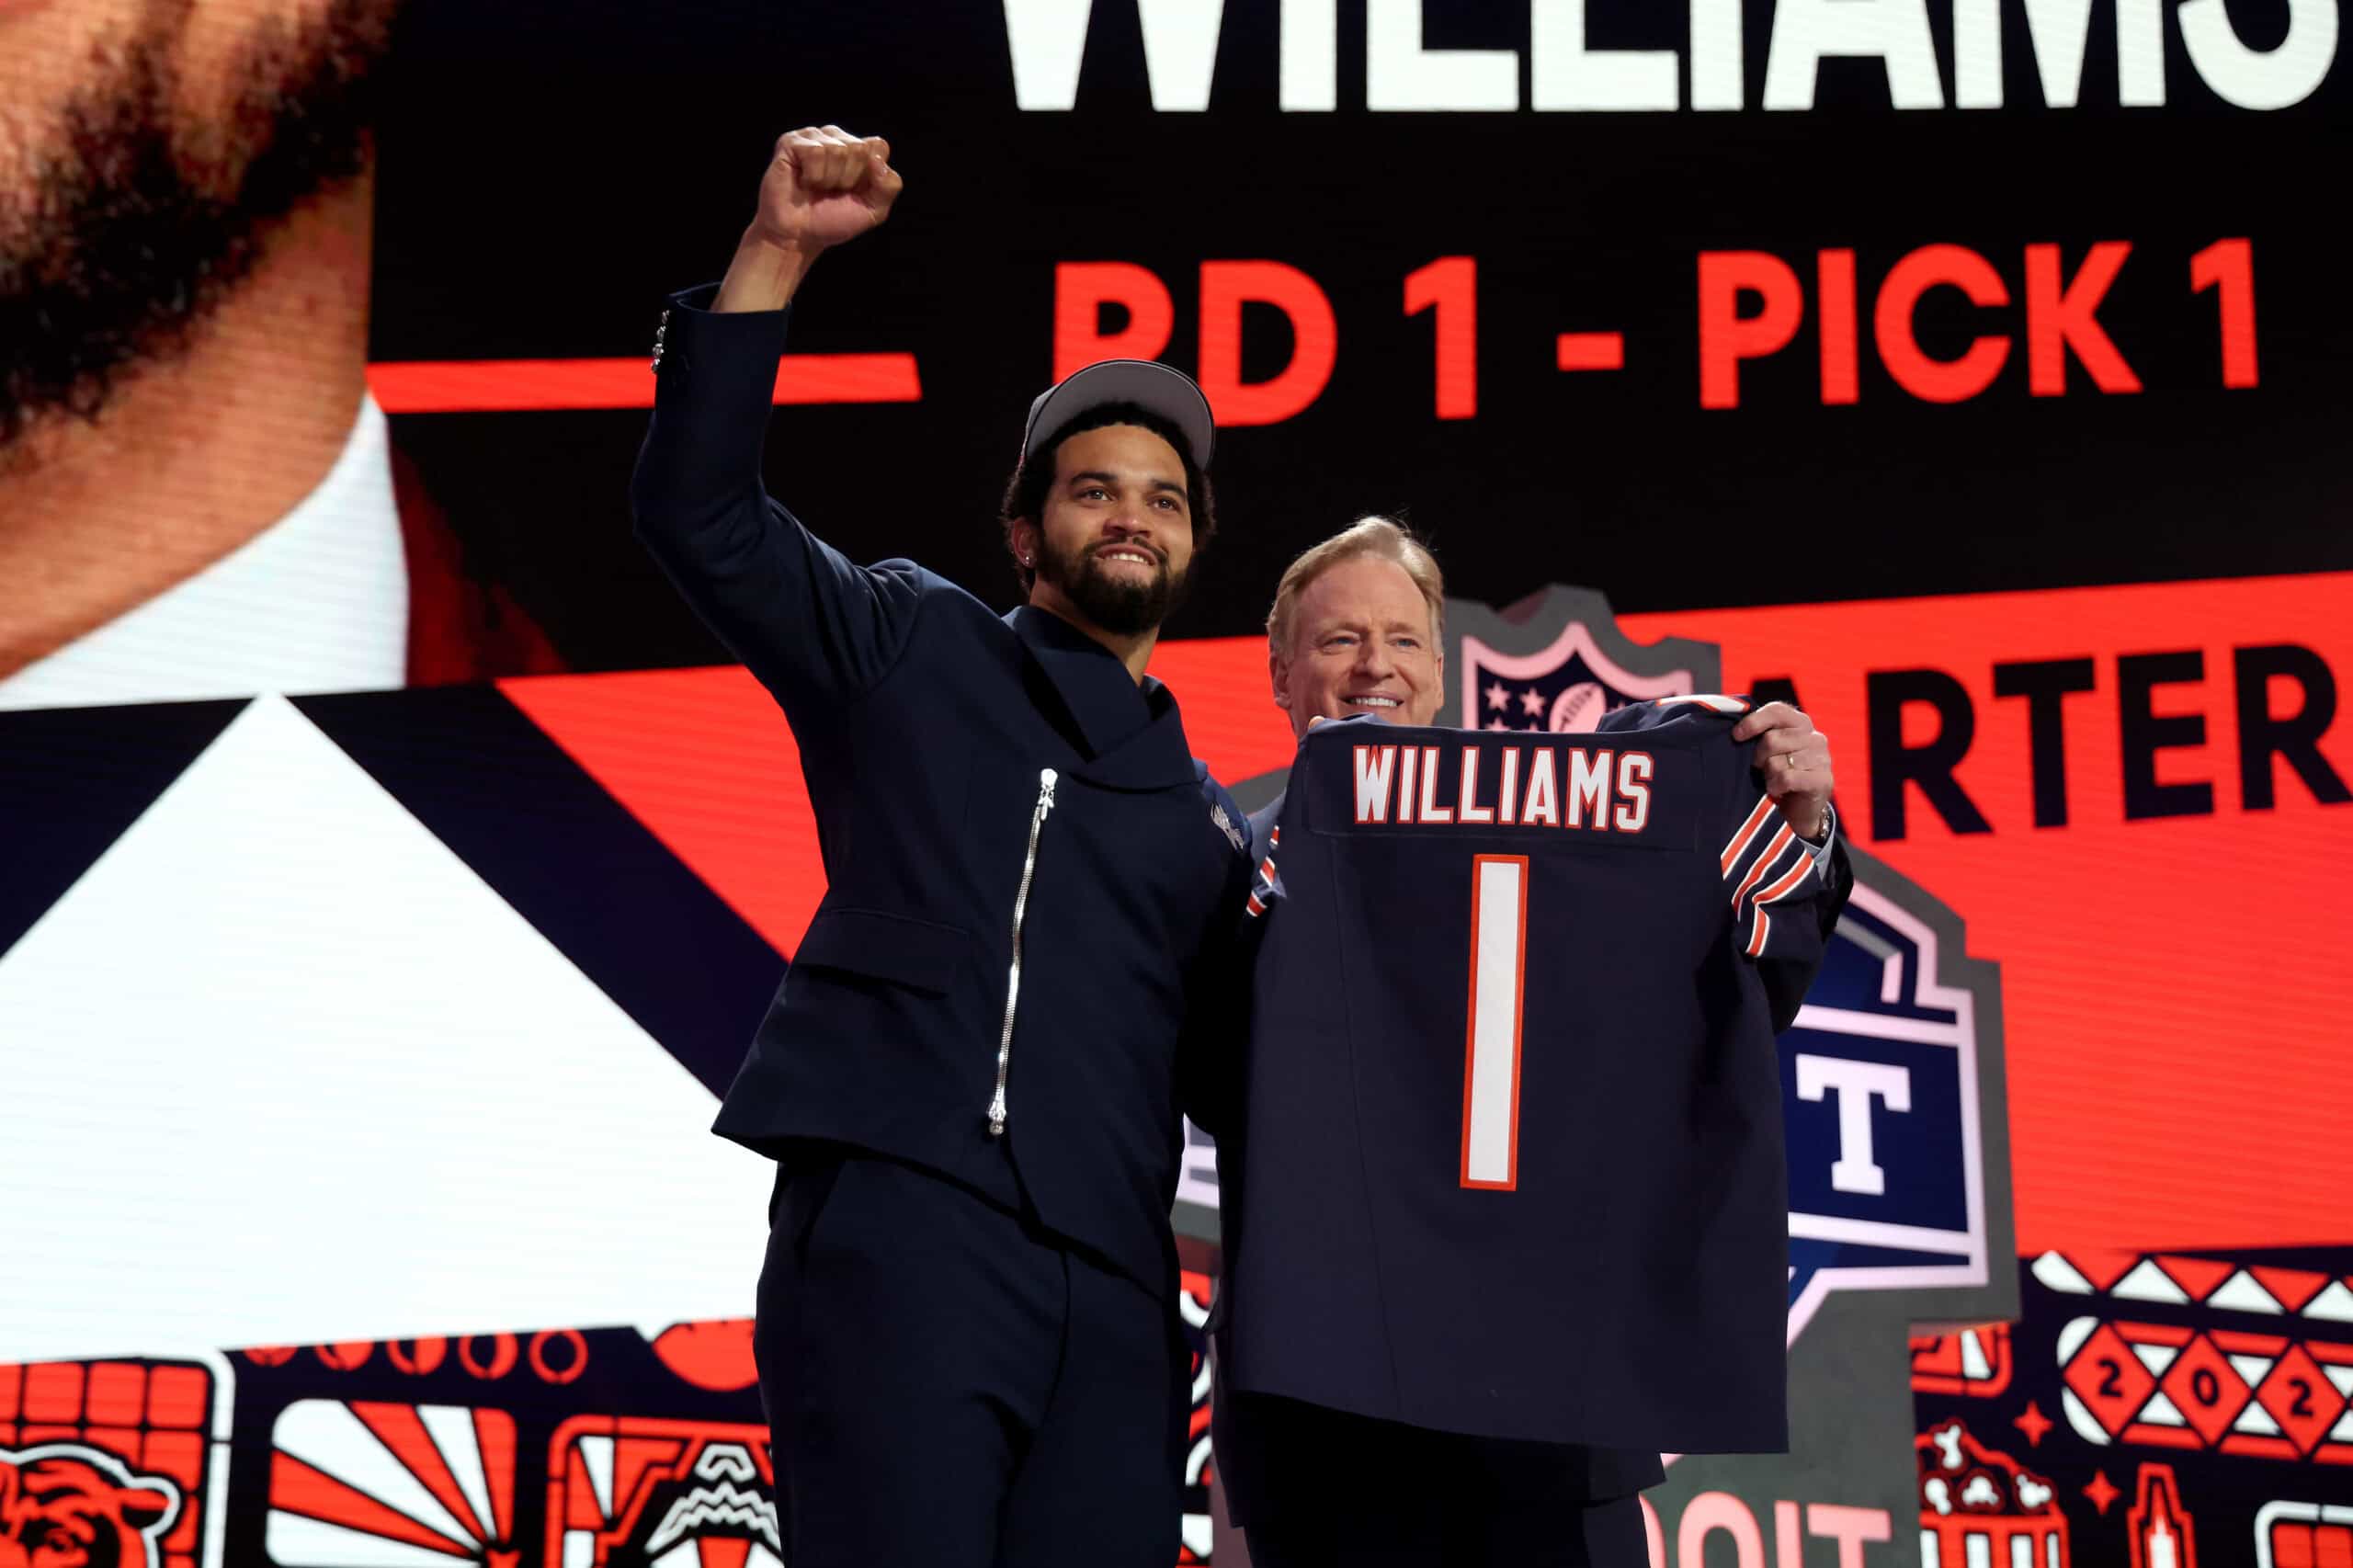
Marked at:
<point>494,1435</point>
<point>298,1488</point>
<point>1740,840</point>
<point>506,386</point>
<point>402,1430</point>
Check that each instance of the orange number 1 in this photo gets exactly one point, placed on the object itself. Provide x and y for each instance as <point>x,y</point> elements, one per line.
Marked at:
<point>1491,1052</point>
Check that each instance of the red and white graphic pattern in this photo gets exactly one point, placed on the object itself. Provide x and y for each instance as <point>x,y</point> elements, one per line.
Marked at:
<point>2260,1395</point>
<point>668,1494</point>
<point>2290,1534</point>
<point>2159,1530</point>
<point>2215,1283</point>
<point>1979,1507</point>
<point>1193,1302</point>
<point>120,1430</point>
<point>359,1485</point>
<point>1971,1362</point>
<point>71,1505</point>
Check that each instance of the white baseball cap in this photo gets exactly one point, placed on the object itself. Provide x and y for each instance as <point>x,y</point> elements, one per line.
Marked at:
<point>1149,385</point>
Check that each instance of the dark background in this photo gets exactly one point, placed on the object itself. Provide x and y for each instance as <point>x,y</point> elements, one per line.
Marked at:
<point>548,173</point>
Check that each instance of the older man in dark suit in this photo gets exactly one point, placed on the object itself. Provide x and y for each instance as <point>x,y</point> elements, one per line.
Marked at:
<point>968,1336</point>
<point>1356,632</point>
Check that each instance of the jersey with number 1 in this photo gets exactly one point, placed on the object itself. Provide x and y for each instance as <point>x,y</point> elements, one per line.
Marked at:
<point>1510,1160</point>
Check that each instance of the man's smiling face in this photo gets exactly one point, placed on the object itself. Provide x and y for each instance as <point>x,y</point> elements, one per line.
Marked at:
<point>1361,642</point>
<point>1116,534</point>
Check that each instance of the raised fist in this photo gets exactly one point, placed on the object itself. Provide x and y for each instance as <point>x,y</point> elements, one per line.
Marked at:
<point>825,186</point>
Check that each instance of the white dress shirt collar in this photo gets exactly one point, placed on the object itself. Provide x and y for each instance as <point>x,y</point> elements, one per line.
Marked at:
<point>318,601</point>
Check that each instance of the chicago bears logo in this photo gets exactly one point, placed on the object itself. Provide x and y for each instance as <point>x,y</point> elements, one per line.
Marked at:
<point>65,1505</point>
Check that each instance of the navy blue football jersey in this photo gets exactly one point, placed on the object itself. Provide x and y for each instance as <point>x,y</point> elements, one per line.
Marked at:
<point>1510,1156</point>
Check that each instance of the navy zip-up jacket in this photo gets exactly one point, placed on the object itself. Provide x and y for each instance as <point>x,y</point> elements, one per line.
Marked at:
<point>953,757</point>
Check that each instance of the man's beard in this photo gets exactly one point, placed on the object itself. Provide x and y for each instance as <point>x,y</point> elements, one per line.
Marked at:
<point>124,235</point>
<point>1119,605</point>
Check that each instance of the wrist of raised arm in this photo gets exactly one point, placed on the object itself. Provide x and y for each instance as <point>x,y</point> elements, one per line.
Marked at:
<point>763,275</point>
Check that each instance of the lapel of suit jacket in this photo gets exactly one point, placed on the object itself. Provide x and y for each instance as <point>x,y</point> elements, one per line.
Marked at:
<point>1133,736</point>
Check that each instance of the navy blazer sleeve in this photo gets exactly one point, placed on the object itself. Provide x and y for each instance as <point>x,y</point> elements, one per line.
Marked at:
<point>1787,979</point>
<point>1217,1011</point>
<point>817,631</point>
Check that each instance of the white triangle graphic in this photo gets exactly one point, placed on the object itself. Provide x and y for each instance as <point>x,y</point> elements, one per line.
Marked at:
<point>451,1427</point>
<point>2057,1274</point>
<point>596,1454</point>
<point>2257,1420</point>
<point>327,1434</point>
<point>349,1091</point>
<point>1973,1356</point>
<point>2253,1369</point>
<point>2342,1377</point>
<point>2241,1294</point>
<point>2156,1358</point>
<point>2335,1302</point>
<point>2161,1412</point>
<point>2147,1282</point>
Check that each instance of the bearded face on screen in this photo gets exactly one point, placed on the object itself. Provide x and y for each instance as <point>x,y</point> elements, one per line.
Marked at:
<point>149,149</point>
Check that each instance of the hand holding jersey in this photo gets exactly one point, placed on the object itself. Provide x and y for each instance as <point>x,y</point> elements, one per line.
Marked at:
<point>1612,924</point>
<point>1794,759</point>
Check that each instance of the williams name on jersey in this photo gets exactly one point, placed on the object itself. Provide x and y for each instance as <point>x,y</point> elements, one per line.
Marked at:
<point>1511,1160</point>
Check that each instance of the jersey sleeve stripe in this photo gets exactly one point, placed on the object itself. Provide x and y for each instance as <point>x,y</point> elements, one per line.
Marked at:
<point>1264,887</point>
<point>1740,841</point>
<point>1729,706</point>
<point>1774,892</point>
<point>1788,882</point>
<point>1773,851</point>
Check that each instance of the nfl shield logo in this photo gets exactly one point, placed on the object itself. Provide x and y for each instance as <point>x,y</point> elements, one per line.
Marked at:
<point>1568,686</point>
<point>1555,661</point>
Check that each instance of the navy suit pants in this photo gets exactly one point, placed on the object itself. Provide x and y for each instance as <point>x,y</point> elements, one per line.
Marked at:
<point>947,1386</point>
<point>1336,1490</point>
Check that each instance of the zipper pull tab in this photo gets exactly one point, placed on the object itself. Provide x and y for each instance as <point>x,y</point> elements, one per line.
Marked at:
<point>997,1113</point>
<point>1046,778</point>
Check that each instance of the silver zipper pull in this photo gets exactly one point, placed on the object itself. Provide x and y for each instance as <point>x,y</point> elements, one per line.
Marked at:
<point>997,1113</point>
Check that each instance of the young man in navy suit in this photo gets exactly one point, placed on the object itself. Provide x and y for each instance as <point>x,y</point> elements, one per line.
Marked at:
<point>968,1339</point>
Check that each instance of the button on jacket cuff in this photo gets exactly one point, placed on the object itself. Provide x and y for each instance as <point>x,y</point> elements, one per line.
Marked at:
<point>694,337</point>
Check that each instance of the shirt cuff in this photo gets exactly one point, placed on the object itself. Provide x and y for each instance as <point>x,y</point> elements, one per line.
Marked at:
<point>1821,852</point>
